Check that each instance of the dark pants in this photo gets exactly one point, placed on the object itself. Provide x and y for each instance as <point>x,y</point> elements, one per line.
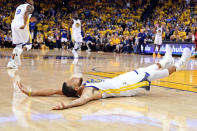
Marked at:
<point>50,45</point>
<point>58,44</point>
<point>92,47</point>
<point>36,45</point>
<point>100,47</point>
<point>127,49</point>
<point>8,44</point>
<point>141,43</point>
<point>110,48</point>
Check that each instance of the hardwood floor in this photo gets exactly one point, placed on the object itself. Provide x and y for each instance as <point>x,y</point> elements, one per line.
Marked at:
<point>170,105</point>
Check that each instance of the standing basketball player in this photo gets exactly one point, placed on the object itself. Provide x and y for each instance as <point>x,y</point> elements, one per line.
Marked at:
<point>128,84</point>
<point>20,32</point>
<point>158,40</point>
<point>76,34</point>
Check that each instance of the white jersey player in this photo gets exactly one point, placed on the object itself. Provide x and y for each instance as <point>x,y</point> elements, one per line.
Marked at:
<point>158,40</point>
<point>20,32</point>
<point>128,84</point>
<point>76,35</point>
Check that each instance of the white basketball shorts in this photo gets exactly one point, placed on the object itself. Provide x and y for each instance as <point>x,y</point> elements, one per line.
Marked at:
<point>20,36</point>
<point>158,40</point>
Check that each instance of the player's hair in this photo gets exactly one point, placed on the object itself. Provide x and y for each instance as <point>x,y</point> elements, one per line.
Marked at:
<point>68,90</point>
<point>81,80</point>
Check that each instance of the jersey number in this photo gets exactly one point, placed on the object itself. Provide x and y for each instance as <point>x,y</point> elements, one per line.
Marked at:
<point>18,11</point>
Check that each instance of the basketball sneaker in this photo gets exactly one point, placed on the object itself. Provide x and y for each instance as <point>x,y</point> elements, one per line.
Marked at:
<point>12,72</point>
<point>158,55</point>
<point>184,59</point>
<point>167,60</point>
<point>12,65</point>
<point>154,55</point>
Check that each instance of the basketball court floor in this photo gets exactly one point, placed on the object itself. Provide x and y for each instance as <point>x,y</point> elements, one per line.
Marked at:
<point>171,105</point>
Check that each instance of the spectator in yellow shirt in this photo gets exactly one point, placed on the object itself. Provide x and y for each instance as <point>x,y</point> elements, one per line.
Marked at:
<point>39,26</point>
<point>182,35</point>
<point>114,43</point>
<point>126,32</point>
<point>39,40</point>
<point>175,36</point>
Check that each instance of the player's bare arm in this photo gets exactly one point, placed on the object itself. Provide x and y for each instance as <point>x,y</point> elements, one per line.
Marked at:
<point>28,11</point>
<point>88,94</point>
<point>42,92</point>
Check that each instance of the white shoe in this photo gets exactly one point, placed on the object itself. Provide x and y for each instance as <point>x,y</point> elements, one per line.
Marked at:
<point>184,59</point>
<point>167,60</point>
<point>11,72</point>
<point>17,60</point>
<point>12,65</point>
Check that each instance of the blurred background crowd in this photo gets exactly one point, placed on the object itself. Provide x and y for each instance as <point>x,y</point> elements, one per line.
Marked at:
<point>108,25</point>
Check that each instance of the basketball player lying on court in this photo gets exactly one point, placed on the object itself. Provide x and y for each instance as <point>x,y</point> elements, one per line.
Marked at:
<point>127,84</point>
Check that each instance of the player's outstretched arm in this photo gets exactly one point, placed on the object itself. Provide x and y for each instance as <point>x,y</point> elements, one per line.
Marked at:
<point>87,95</point>
<point>42,92</point>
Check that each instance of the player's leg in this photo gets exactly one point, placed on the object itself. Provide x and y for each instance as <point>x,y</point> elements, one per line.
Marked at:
<point>158,54</point>
<point>16,39</point>
<point>165,62</point>
<point>155,45</point>
<point>27,40</point>
<point>159,74</point>
<point>159,46</point>
<point>27,44</point>
<point>154,55</point>
<point>77,46</point>
<point>156,66</point>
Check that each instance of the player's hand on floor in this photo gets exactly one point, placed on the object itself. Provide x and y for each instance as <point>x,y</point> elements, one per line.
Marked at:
<point>22,88</point>
<point>60,106</point>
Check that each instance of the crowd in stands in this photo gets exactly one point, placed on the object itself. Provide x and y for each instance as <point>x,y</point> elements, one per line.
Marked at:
<point>109,25</point>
